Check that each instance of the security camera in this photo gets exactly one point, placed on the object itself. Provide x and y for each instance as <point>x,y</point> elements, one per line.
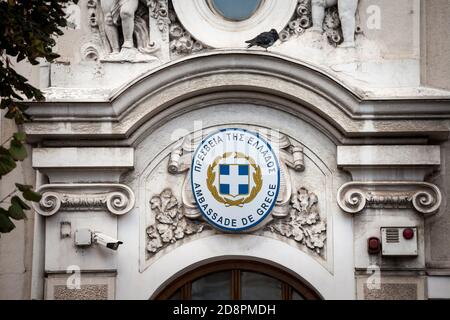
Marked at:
<point>106,241</point>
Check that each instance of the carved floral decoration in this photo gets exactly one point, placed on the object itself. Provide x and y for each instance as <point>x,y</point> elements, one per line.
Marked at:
<point>303,224</point>
<point>160,12</point>
<point>170,223</point>
<point>181,41</point>
<point>302,20</point>
<point>299,22</point>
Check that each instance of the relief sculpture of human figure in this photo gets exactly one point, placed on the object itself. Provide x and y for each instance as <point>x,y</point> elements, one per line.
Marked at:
<point>131,18</point>
<point>347,15</point>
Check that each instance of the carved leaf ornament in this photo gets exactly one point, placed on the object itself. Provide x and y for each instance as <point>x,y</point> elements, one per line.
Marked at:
<point>170,224</point>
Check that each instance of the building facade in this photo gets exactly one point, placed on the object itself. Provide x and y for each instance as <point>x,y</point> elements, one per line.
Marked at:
<point>353,99</point>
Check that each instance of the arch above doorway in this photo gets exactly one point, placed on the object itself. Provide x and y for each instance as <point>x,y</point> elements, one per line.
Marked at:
<point>285,286</point>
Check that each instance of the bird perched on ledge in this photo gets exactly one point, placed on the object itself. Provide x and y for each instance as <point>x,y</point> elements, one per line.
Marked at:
<point>264,40</point>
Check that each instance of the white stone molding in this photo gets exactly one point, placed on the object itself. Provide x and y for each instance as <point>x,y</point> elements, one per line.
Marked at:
<point>83,158</point>
<point>383,156</point>
<point>199,81</point>
<point>213,30</point>
<point>354,197</point>
<point>117,199</point>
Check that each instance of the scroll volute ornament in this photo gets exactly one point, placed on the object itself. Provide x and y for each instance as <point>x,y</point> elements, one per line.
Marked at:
<point>354,197</point>
<point>117,199</point>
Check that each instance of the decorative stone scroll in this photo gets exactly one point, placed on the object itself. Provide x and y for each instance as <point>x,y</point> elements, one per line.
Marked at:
<point>117,199</point>
<point>304,223</point>
<point>354,197</point>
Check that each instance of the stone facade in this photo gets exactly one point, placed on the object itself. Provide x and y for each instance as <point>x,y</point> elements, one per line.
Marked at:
<point>353,97</point>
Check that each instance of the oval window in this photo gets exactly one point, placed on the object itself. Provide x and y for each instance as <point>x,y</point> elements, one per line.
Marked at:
<point>236,10</point>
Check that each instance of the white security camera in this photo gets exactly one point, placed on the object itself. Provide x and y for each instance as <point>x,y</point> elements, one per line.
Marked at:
<point>106,241</point>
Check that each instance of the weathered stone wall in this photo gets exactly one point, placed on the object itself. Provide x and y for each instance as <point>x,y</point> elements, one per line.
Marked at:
<point>413,38</point>
<point>436,43</point>
<point>16,247</point>
<point>438,227</point>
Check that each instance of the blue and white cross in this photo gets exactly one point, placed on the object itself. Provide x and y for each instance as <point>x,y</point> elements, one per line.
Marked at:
<point>234,179</point>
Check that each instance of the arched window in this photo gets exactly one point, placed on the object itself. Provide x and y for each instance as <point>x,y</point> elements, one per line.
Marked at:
<point>237,280</point>
<point>235,10</point>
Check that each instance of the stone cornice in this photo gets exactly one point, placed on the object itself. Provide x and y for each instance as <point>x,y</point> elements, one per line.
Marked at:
<point>227,76</point>
<point>354,197</point>
<point>117,199</point>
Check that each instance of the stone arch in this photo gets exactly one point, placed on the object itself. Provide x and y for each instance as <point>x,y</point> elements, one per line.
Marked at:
<point>270,251</point>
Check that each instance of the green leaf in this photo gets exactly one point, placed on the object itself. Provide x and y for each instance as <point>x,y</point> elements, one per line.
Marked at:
<point>17,150</point>
<point>7,164</point>
<point>20,202</point>
<point>23,187</point>
<point>21,136</point>
<point>15,211</point>
<point>6,225</point>
<point>31,195</point>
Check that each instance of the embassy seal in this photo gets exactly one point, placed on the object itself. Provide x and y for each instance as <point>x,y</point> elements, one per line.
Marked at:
<point>235,178</point>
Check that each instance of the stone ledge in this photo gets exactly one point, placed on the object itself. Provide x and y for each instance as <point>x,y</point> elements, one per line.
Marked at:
<point>382,156</point>
<point>62,158</point>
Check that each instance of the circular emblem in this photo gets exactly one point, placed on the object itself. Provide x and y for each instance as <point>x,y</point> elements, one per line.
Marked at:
<point>235,179</point>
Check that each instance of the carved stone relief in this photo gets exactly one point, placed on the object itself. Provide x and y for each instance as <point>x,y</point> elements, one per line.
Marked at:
<point>181,41</point>
<point>326,13</point>
<point>93,48</point>
<point>140,30</point>
<point>337,19</point>
<point>295,216</point>
<point>170,223</point>
<point>120,31</point>
<point>354,197</point>
<point>117,199</point>
<point>304,223</point>
<point>299,22</point>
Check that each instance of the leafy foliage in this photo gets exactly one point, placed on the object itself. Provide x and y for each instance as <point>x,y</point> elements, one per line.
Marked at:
<point>27,31</point>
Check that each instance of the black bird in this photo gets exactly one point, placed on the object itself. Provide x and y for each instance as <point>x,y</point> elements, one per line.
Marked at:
<point>264,40</point>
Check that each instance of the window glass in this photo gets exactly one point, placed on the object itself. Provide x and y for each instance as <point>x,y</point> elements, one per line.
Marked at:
<point>215,286</point>
<point>256,286</point>
<point>236,10</point>
<point>297,296</point>
<point>176,296</point>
